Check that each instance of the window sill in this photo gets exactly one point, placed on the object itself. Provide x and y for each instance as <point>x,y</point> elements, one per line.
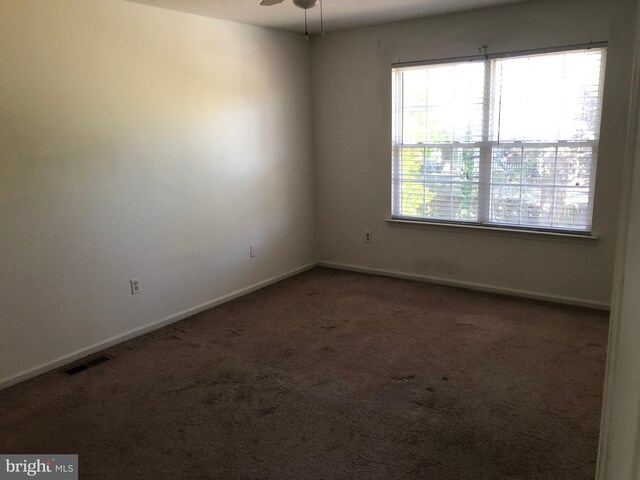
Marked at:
<point>497,230</point>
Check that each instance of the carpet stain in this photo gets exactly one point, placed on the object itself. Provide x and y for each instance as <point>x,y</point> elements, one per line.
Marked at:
<point>407,378</point>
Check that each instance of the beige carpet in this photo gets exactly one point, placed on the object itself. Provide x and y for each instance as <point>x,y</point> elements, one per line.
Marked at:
<point>333,375</point>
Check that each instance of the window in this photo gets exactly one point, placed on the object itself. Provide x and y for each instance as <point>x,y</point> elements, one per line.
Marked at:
<point>507,140</point>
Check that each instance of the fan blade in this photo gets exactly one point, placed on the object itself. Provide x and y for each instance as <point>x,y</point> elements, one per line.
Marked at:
<point>268,3</point>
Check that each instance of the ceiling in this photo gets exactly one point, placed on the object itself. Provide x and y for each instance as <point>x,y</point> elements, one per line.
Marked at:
<point>338,14</point>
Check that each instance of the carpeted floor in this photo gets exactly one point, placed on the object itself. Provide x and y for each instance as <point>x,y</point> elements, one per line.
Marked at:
<point>333,375</point>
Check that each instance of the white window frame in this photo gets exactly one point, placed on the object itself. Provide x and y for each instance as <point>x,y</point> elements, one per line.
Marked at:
<point>486,145</point>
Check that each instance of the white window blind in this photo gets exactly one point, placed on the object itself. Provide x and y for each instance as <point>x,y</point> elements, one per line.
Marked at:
<point>499,141</point>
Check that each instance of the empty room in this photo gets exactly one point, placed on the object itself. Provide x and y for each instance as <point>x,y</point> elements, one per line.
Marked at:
<point>319,239</point>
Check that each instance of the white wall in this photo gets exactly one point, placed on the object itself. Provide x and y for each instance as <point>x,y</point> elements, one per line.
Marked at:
<point>136,141</point>
<point>619,456</point>
<point>352,85</point>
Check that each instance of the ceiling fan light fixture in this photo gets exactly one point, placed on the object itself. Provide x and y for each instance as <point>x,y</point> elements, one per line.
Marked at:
<point>305,4</point>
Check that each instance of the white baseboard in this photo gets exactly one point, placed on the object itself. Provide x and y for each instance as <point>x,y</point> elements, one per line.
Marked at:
<point>471,286</point>
<point>136,332</point>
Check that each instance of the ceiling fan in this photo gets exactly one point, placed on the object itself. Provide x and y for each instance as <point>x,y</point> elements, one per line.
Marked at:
<point>305,5</point>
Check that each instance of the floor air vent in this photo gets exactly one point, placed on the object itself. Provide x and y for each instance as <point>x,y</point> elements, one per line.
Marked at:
<point>98,360</point>
<point>81,367</point>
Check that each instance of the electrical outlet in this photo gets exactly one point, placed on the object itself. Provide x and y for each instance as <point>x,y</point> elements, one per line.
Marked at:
<point>368,237</point>
<point>136,286</point>
<point>252,251</point>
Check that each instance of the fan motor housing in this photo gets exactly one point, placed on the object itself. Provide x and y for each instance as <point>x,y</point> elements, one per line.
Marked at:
<point>306,4</point>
